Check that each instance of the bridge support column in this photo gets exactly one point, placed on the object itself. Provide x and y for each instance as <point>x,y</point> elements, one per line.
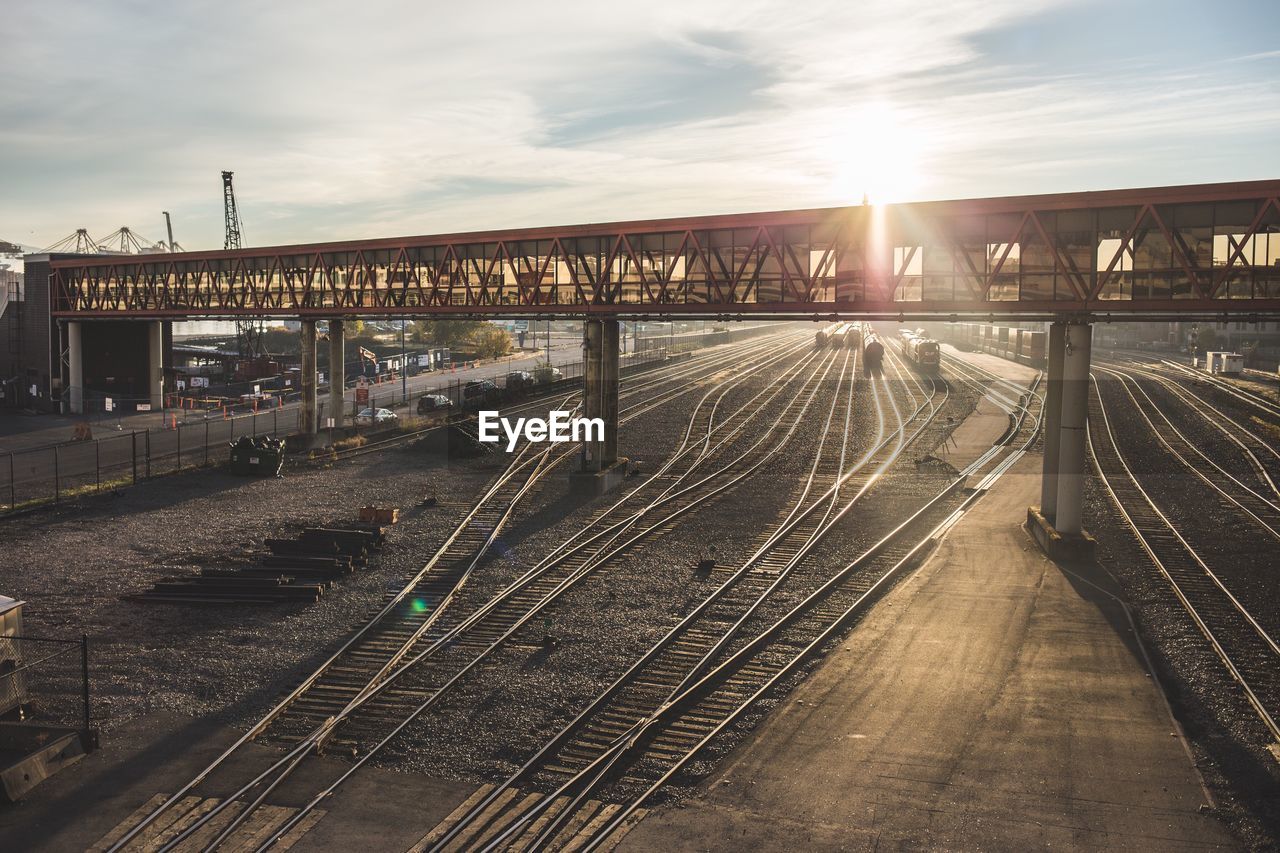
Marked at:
<point>308,421</point>
<point>600,469</point>
<point>155,364</point>
<point>1052,415</point>
<point>75,368</point>
<point>337,372</point>
<point>1057,525</point>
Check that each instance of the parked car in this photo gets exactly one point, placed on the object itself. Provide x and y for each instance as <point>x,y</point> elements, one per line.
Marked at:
<point>433,403</point>
<point>376,417</point>
<point>480,392</point>
<point>546,375</point>
<point>518,379</point>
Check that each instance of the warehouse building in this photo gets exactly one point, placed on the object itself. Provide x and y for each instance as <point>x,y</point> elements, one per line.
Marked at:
<point>66,367</point>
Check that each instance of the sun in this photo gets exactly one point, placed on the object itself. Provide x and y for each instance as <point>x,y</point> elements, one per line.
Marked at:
<point>872,152</point>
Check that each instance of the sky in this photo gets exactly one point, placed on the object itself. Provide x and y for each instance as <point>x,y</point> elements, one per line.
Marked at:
<point>383,118</point>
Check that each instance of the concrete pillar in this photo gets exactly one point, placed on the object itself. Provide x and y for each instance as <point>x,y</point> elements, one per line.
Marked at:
<point>75,368</point>
<point>155,364</point>
<point>592,381</point>
<point>1072,439</point>
<point>337,374</point>
<point>1053,421</point>
<point>308,425</point>
<point>600,391</point>
<point>609,390</point>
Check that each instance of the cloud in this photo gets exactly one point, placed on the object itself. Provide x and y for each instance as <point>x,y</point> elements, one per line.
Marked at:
<point>344,120</point>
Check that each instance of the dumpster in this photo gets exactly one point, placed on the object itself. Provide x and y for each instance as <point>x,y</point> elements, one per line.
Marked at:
<point>257,457</point>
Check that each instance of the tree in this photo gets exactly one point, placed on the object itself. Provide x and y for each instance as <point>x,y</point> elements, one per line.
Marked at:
<point>1207,340</point>
<point>449,333</point>
<point>490,341</point>
<point>353,328</point>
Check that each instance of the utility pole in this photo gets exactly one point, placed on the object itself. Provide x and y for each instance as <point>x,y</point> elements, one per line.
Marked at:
<point>404,367</point>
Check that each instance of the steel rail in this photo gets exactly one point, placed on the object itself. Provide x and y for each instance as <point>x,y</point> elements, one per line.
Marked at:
<point>587,780</point>
<point>518,462</point>
<point>291,761</point>
<point>1129,384</point>
<point>1216,418</point>
<point>1161,565</point>
<point>1256,400</point>
<point>602,833</point>
<point>550,828</point>
<point>552,595</point>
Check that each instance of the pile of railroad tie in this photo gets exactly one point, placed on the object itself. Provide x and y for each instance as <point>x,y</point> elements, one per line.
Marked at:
<point>295,570</point>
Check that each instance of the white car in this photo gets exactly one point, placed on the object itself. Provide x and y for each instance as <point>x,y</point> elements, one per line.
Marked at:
<point>378,417</point>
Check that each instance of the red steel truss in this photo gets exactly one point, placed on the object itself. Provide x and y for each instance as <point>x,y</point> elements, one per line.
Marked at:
<point>1206,250</point>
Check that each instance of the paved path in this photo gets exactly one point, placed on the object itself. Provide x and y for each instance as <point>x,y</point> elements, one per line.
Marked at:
<point>992,701</point>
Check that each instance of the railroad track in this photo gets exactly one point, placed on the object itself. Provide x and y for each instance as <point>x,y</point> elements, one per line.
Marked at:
<point>1247,651</point>
<point>515,618</point>
<point>1251,503</point>
<point>675,700</point>
<point>1249,398</point>
<point>658,375</point>
<point>1261,455</point>
<point>395,630</point>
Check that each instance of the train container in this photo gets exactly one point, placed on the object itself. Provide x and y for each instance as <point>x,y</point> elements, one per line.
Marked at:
<point>1225,363</point>
<point>853,336</point>
<point>872,352</point>
<point>922,352</point>
<point>828,335</point>
<point>1034,349</point>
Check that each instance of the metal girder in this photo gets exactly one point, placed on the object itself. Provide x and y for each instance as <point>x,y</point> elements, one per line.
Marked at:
<point>1203,250</point>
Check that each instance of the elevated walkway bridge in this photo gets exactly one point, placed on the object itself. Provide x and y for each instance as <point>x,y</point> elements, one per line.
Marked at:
<point>1202,252</point>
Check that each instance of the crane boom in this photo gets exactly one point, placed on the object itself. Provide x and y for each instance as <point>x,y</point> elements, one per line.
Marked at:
<point>248,332</point>
<point>230,213</point>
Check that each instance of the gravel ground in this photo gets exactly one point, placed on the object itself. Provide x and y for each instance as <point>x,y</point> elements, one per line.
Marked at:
<point>1247,561</point>
<point>1226,736</point>
<point>74,566</point>
<point>497,718</point>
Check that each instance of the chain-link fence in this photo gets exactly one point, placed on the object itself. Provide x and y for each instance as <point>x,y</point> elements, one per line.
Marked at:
<point>197,430</point>
<point>45,681</point>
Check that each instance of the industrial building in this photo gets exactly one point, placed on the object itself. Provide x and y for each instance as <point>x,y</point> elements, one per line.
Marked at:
<point>40,364</point>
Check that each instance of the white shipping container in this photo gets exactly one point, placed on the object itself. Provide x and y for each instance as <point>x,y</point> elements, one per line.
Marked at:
<point>1226,363</point>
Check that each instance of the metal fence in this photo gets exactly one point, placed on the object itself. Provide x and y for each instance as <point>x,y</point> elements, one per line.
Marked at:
<point>197,433</point>
<point>46,681</point>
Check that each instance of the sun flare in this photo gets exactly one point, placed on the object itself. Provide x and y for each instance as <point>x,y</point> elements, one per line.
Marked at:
<point>873,153</point>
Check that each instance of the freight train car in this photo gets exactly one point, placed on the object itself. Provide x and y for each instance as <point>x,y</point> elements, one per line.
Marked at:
<point>833,336</point>
<point>872,351</point>
<point>1025,346</point>
<point>853,336</point>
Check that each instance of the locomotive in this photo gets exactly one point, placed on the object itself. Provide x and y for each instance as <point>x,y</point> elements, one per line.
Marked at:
<point>922,352</point>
